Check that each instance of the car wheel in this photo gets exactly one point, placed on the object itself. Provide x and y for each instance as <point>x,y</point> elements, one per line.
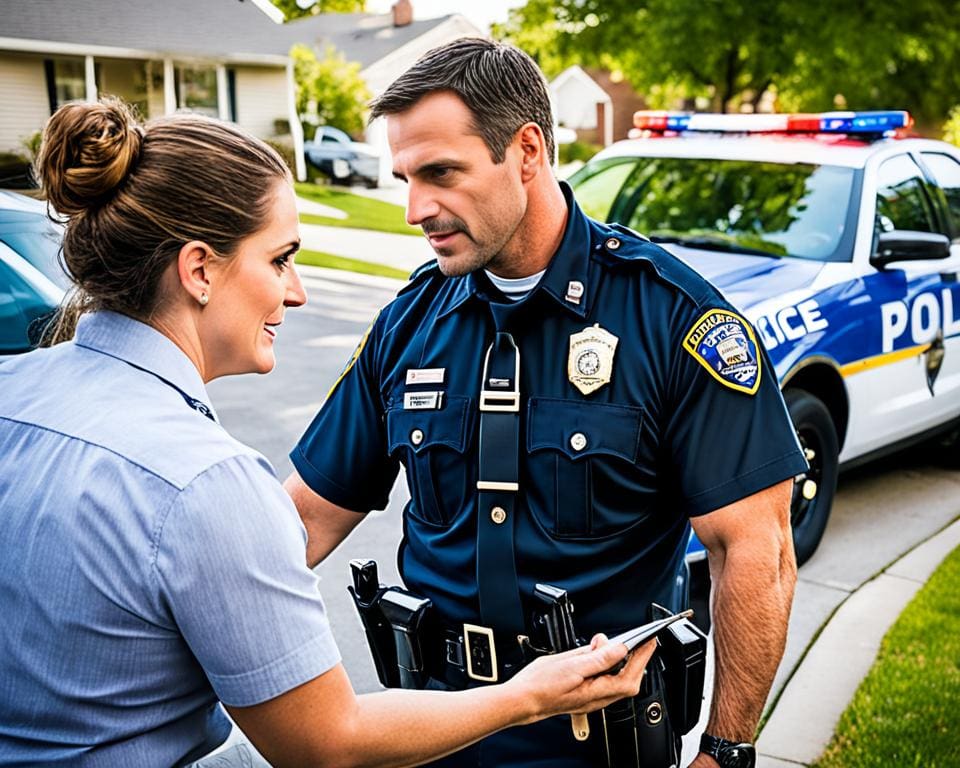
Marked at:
<point>947,448</point>
<point>813,491</point>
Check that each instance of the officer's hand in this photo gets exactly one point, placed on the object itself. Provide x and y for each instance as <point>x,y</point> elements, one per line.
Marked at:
<point>574,681</point>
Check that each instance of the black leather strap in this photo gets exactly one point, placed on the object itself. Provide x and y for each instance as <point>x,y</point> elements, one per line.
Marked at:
<point>498,487</point>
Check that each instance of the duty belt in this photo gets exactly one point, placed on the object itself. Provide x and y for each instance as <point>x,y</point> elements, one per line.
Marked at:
<point>498,487</point>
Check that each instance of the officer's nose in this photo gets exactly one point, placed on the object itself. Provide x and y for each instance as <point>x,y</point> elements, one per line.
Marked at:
<point>421,205</point>
<point>295,296</point>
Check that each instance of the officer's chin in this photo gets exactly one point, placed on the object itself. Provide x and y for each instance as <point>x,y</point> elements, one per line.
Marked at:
<point>454,264</point>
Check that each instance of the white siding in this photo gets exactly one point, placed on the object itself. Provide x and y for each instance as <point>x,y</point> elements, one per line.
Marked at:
<point>23,96</point>
<point>261,98</point>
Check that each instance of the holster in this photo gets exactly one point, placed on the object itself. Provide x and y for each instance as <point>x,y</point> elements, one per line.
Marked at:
<point>394,621</point>
<point>647,730</point>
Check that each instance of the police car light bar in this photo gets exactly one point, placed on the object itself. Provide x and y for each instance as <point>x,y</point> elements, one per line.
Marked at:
<point>826,122</point>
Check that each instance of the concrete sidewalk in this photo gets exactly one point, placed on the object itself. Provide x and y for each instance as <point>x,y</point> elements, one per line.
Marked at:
<point>822,685</point>
<point>406,252</point>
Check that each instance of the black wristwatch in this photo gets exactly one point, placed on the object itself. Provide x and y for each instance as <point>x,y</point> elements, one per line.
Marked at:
<point>729,754</point>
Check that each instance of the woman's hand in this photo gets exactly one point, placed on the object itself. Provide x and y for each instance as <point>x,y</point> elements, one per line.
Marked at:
<point>574,681</point>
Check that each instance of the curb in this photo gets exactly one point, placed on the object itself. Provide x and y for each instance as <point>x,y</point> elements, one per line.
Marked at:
<point>804,719</point>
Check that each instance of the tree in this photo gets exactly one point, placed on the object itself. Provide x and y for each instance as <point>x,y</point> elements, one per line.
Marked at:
<point>297,9</point>
<point>724,52</point>
<point>330,90</point>
<point>814,55</point>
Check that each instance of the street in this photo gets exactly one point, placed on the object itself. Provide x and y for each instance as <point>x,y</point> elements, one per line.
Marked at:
<point>881,510</point>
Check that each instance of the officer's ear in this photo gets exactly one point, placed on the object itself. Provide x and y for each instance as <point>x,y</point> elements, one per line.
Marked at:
<point>533,148</point>
<point>194,264</point>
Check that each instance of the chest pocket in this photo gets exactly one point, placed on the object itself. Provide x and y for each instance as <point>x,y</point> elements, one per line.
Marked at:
<point>431,444</point>
<point>582,462</point>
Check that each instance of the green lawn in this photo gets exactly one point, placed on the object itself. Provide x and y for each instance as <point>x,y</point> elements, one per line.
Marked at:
<point>318,259</point>
<point>906,712</point>
<point>362,212</point>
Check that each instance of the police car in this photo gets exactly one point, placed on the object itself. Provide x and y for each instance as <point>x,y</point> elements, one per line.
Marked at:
<point>838,235</point>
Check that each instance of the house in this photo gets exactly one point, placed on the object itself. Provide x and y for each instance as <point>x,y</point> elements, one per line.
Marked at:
<point>385,45</point>
<point>226,58</point>
<point>596,103</point>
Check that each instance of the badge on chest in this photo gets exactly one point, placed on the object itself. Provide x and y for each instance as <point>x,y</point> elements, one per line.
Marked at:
<point>590,363</point>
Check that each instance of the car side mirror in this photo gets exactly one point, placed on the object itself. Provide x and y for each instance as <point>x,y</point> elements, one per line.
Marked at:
<point>907,245</point>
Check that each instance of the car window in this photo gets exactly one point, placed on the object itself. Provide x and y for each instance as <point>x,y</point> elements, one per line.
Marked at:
<point>902,201</point>
<point>37,240</point>
<point>597,186</point>
<point>19,306</point>
<point>777,209</point>
<point>946,171</point>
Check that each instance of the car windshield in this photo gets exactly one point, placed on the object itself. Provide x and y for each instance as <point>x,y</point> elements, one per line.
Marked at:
<point>769,209</point>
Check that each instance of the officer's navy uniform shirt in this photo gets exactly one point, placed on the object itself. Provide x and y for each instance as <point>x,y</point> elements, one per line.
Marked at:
<point>664,440</point>
<point>150,564</point>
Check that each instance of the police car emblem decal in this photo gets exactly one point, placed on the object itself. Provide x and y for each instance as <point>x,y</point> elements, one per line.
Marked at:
<point>590,363</point>
<point>724,343</point>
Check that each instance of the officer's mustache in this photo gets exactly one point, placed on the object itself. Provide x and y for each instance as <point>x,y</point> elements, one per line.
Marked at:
<point>446,227</point>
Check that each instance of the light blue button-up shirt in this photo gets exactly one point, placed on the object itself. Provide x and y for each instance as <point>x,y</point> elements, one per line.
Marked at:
<point>149,563</point>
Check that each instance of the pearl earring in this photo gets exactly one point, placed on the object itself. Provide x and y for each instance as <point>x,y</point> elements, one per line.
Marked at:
<point>204,299</point>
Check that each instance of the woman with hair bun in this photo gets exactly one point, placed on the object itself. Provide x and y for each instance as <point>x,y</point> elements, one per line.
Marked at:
<point>152,566</point>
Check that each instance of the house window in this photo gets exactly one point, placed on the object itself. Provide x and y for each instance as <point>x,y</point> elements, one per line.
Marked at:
<point>130,81</point>
<point>196,88</point>
<point>66,80</point>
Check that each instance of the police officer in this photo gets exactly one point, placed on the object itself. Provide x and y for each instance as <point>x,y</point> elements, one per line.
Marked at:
<point>567,399</point>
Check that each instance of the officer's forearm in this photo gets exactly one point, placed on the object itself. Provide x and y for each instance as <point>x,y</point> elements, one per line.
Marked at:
<point>752,594</point>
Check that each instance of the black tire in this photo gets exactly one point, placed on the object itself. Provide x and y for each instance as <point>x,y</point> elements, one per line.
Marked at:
<point>818,437</point>
<point>946,448</point>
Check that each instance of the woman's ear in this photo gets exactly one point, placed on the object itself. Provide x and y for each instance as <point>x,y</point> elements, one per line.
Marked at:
<point>193,269</point>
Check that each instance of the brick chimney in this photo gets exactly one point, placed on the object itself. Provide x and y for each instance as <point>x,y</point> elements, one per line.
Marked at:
<point>402,13</point>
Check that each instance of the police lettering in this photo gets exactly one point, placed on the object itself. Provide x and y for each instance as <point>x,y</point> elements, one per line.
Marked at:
<point>790,323</point>
<point>923,318</point>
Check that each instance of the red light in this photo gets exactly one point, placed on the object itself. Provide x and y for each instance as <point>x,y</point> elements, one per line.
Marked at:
<point>650,120</point>
<point>803,122</point>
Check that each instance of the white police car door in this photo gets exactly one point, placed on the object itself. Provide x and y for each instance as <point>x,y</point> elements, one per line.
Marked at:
<point>919,313</point>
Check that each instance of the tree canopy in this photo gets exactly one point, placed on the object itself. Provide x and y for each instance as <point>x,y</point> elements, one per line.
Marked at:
<point>722,54</point>
<point>296,9</point>
<point>330,90</point>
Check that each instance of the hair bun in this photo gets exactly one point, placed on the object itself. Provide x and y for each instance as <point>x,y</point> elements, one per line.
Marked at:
<point>88,150</point>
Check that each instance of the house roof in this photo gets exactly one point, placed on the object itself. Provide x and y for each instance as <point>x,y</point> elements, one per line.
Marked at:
<point>203,28</point>
<point>362,37</point>
<point>220,28</point>
<point>578,74</point>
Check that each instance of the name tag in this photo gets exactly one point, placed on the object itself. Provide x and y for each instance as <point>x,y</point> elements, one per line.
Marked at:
<point>422,401</point>
<point>425,375</point>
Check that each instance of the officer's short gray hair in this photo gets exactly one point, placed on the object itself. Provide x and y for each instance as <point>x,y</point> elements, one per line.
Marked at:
<point>500,84</point>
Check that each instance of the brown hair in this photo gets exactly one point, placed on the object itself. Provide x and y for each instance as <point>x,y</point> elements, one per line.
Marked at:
<point>133,195</point>
<point>501,85</point>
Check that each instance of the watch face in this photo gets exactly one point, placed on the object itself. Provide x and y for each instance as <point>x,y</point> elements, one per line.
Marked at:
<point>737,756</point>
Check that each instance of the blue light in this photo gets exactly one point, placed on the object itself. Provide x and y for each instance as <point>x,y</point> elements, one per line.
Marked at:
<point>863,122</point>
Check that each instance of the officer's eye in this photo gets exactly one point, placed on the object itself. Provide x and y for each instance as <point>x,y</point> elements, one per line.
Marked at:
<point>282,262</point>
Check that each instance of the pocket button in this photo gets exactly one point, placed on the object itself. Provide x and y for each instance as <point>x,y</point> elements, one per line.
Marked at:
<point>578,441</point>
<point>416,437</point>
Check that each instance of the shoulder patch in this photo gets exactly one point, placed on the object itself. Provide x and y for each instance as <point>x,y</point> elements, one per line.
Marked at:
<point>724,343</point>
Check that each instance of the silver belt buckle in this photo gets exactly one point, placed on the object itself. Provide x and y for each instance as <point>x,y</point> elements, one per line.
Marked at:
<point>481,653</point>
